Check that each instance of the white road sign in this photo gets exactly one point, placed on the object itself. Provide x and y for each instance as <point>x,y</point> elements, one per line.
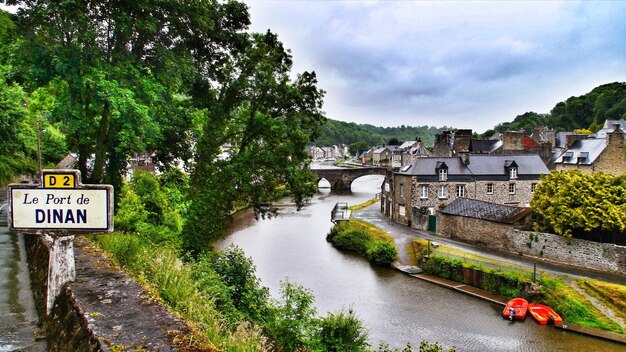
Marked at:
<point>87,209</point>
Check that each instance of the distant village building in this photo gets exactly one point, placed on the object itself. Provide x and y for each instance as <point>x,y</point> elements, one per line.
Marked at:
<point>383,156</point>
<point>426,185</point>
<point>316,153</point>
<point>596,154</point>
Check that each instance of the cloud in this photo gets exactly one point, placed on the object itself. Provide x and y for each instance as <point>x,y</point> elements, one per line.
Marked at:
<point>473,64</point>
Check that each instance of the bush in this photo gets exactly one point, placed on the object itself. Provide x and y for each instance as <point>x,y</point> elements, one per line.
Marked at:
<point>383,253</point>
<point>355,237</point>
<point>342,331</point>
<point>291,319</point>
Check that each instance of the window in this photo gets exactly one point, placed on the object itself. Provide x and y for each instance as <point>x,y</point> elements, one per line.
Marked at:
<point>490,188</point>
<point>460,190</point>
<point>401,190</point>
<point>443,174</point>
<point>511,188</point>
<point>533,187</point>
<point>424,191</point>
<point>443,191</point>
<point>513,173</point>
<point>401,210</point>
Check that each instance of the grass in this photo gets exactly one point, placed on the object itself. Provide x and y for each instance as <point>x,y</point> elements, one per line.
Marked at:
<point>169,280</point>
<point>420,244</point>
<point>371,229</point>
<point>363,205</point>
<point>573,307</point>
<point>612,296</point>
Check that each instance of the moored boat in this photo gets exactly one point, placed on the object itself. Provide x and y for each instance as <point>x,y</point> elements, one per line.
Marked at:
<point>515,309</point>
<point>544,314</point>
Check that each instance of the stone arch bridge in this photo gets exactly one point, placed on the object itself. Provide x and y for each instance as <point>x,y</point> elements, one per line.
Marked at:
<point>342,178</point>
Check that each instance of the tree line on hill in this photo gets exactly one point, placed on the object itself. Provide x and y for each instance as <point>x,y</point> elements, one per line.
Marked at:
<point>585,112</point>
<point>335,132</point>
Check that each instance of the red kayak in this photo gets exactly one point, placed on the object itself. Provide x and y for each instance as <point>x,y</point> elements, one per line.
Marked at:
<point>544,314</point>
<point>515,309</point>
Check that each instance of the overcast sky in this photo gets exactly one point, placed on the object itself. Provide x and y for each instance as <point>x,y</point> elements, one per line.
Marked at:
<point>460,64</point>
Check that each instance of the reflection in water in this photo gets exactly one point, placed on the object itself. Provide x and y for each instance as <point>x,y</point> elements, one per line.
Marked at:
<point>395,307</point>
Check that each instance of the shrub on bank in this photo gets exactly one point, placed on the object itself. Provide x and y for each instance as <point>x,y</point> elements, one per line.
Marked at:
<point>371,243</point>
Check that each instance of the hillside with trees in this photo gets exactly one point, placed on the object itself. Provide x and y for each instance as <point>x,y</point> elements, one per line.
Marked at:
<point>588,111</point>
<point>335,132</point>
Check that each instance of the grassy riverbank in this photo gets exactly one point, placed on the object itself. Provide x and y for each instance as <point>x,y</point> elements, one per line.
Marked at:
<point>511,281</point>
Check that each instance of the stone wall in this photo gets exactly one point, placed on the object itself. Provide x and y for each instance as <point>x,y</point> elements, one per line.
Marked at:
<point>613,158</point>
<point>543,246</point>
<point>103,309</point>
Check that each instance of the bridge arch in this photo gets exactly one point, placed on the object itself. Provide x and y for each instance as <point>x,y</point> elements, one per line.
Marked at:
<point>342,178</point>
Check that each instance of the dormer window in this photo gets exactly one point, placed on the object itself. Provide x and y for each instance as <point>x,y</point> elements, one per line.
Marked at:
<point>511,167</point>
<point>442,171</point>
<point>443,175</point>
<point>568,155</point>
<point>582,157</point>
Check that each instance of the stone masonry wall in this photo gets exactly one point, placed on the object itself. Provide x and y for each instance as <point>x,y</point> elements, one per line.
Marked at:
<point>103,309</point>
<point>544,246</point>
<point>613,159</point>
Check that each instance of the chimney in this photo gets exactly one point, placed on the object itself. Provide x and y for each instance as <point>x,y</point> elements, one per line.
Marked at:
<point>513,140</point>
<point>571,138</point>
<point>536,132</point>
<point>616,137</point>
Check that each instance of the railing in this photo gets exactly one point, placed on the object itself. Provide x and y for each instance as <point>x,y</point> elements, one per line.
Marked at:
<point>340,213</point>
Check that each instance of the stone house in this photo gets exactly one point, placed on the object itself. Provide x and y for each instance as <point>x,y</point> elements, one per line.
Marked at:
<point>596,154</point>
<point>407,152</point>
<point>383,156</point>
<point>366,156</point>
<point>316,153</point>
<point>426,185</point>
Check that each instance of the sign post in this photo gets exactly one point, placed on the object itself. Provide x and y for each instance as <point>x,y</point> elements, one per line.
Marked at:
<point>62,208</point>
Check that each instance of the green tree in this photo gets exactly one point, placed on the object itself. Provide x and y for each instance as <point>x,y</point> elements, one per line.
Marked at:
<point>269,120</point>
<point>394,141</point>
<point>125,69</point>
<point>358,147</point>
<point>576,203</point>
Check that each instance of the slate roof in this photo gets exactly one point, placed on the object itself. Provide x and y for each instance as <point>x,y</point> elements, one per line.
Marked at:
<point>485,145</point>
<point>391,148</point>
<point>479,165</point>
<point>593,147</point>
<point>477,209</point>
<point>407,145</point>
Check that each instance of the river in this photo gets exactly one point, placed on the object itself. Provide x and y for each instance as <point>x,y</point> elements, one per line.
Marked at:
<point>18,323</point>
<point>396,308</point>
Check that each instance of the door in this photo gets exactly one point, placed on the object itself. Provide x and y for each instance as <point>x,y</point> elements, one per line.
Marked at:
<point>432,223</point>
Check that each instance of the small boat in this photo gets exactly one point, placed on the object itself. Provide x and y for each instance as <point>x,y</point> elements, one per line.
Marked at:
<point>515,309</point>
<point>544,314</point>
